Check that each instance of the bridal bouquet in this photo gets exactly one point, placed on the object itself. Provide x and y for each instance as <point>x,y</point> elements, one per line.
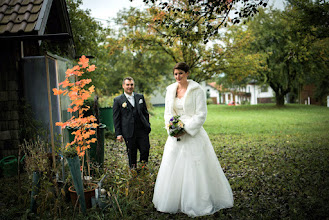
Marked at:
<point>176,126</point>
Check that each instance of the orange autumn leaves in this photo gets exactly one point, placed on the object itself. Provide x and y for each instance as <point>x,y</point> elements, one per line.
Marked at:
<point>74,89</point>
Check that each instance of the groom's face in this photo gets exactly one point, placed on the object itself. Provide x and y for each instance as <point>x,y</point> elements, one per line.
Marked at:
<point>128,86</point>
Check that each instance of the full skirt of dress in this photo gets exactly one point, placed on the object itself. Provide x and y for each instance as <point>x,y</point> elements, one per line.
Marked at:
<point>190,178</point>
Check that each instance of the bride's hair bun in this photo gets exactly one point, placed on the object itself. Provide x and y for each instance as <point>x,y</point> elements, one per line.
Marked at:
<point>182,66</point>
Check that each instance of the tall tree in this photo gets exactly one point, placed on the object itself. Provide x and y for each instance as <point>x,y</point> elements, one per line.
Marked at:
<point>286,51</point>
<point>149,69</point>
<point>311,21</point>
<point>318,69</point>
<point>294,54</point>
<point>241,65</point>
<point>88,34</point>
<point>143,30</point>
<point>89,39</point>
<point>311,15</point>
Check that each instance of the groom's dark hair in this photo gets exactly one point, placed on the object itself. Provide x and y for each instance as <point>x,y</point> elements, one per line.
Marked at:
<point>182,66</point>
<point>127,78</point>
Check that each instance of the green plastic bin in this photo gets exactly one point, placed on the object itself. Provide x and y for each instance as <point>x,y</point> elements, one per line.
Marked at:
<point>106,117</point>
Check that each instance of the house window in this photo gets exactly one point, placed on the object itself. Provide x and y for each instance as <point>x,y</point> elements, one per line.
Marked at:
<point>264,88</point>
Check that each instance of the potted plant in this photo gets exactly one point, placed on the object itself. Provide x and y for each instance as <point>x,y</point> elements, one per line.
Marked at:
<point>84,126</point>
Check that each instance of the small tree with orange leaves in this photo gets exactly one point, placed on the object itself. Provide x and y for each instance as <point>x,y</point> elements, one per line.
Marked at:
<point>84,125</point>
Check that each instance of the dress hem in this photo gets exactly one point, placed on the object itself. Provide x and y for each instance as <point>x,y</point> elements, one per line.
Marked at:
<point>191,215</point>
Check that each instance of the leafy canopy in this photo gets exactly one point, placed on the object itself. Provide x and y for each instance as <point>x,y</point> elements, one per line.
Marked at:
<point>213,14</point>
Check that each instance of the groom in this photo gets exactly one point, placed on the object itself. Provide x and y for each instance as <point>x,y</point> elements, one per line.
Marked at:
<point>131,122</point>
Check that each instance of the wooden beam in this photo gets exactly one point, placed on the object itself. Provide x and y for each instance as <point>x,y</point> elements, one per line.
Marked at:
<point>59,36</point>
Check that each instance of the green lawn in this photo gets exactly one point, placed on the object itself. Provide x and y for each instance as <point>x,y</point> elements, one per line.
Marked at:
<point>260,119</point>
<point>276,160</point>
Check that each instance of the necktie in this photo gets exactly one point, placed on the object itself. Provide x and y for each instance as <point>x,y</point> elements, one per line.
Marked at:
<point>131,100</point>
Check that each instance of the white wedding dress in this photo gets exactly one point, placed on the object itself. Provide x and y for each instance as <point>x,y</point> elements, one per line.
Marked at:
<point>190,178</point>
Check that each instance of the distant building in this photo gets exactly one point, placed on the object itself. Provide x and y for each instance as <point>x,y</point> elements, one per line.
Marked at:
<point>307,95</point>
<point>212,91</point>
<point>251,94</point>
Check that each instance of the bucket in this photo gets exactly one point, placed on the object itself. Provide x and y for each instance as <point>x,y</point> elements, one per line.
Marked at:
<point>9,166</point>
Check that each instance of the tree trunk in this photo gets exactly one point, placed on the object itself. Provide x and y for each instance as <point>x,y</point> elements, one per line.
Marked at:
<point>279,98</point>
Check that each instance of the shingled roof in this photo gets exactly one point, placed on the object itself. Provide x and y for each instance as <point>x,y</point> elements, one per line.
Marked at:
<point>20,16</point>
<point>30,18</point>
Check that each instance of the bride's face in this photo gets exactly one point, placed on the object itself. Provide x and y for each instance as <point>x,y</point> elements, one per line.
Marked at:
<point>180,76</point>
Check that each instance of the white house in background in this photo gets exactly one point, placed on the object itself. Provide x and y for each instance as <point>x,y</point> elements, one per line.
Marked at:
<point>260,94</point>
<point>158,97</point>
<point>252,93</point>
<point>212,91</point>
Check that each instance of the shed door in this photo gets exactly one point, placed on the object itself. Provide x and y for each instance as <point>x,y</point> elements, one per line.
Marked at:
<point>41,75</point>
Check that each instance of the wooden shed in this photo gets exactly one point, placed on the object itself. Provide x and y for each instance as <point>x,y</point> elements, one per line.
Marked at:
<point>28,72</point>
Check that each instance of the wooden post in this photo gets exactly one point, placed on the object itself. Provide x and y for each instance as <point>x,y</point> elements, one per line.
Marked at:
<point>52,139</point>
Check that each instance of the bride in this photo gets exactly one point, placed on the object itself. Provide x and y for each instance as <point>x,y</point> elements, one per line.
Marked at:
<point>190,178</point>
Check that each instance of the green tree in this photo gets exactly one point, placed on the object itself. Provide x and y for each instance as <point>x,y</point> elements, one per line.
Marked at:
<point>112,56</point>
<point>241,65</point>
<point>142,30</point>
<point>88,34</point>
<point>311,21</point>
<point>294,55</point>
<point>318,69</point>
<point>150,69</point>
<point>312,16</point>
<point>89,39</point>
<point>286,50</point>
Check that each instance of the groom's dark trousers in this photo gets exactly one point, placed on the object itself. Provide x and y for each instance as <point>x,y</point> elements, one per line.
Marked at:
<point>133,124</point>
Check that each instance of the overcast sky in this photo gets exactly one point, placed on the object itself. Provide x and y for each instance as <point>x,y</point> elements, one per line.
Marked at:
<point>103,10</point>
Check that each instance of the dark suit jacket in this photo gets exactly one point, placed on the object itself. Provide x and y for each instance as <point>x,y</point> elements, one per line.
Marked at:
<point>123,115</point>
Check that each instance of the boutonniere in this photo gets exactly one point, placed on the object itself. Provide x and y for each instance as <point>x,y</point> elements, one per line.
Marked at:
<point>140,101</point>
<point>124,105</point>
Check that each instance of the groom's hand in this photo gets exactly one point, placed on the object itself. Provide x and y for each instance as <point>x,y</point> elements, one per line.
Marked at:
<point>120,138</point>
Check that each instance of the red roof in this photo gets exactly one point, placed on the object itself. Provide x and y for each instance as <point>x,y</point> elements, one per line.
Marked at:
<point>215,86</point>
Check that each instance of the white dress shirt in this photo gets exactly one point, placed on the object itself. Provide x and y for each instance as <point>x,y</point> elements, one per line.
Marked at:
<point>131,99</point>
